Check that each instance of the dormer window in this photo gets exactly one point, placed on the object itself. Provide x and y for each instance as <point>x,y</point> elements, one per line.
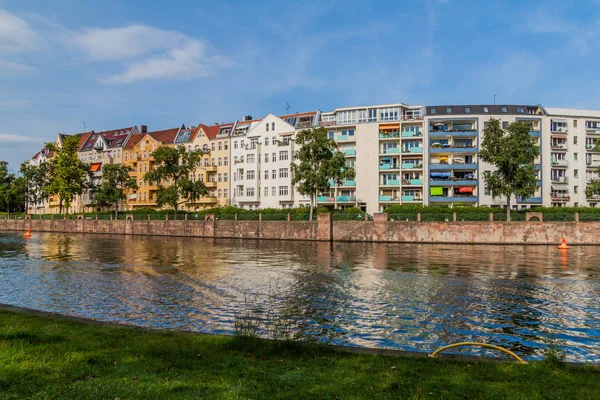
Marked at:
<point>504,109</point>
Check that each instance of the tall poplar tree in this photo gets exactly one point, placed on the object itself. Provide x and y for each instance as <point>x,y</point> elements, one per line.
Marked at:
<point>317,161</point>
<point>512,151</point>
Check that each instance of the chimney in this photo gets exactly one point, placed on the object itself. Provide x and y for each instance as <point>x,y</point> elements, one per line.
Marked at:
<point>247,117</point>
<point>144,129</point>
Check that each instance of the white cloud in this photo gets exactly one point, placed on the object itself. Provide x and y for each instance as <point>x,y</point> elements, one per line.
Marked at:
<point>15,34</point>
<point>12,138</point>
<point>149,53</point>
<point>10,67</point>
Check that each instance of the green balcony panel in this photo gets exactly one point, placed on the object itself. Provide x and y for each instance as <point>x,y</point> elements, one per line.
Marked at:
<point>416,181</point>
<point>416,149</point>
<point>436,191</point>
<point>408,198</point>
<point>385,198</point>
<point>322,199</point>
<point>393,150</point>
<point>391,182</point>
<point>350,183</point>
<point>350,152</point>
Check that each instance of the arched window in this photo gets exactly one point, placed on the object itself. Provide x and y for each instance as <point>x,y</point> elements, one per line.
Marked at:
<point>205,148</point>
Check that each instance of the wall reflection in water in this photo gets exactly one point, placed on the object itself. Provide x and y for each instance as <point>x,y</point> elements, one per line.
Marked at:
<point>413,297</point>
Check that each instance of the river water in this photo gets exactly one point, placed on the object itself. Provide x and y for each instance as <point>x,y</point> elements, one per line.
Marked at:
<point>398,296</point>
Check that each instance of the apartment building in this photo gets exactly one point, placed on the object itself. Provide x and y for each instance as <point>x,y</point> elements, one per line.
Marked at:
<point>384,144</point>
<point>454,135</point>
<point>262,152</point>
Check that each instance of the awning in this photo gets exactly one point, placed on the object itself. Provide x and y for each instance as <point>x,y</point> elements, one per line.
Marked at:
<point>436,191</point>
<point>95,167</point>
<point>389,126</point>
<point>465,190</point>
<point>443,158</point>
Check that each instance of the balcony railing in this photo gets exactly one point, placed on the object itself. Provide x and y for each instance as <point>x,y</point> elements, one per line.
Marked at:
<point>388,198</point>
<point>411,198</point>
<point>590,147</point>
<point>453,199</point>
<point>416,181</point>
<point>594,197</point>
<point>391,150</point>
<point>416,150</point>
<point>388,166</point>
<point>341,138</point>
<point>559,179</point>
<point>349,152</point>
<point>407,165</point>
<point>325,199</point>
<point>560,163</point>
<point>560,197</point>
<point>559,146</point>
<point>391,182</point>
<point>453,133</point>
<point>408,134</point>
<point>455,166</point>
<point>349,183</point>
<point>389,135</point>
<point>326,123</point>
<point>345,199</point>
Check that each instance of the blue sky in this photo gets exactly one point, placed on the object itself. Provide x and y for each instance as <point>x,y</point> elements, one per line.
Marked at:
<point>117,63</point>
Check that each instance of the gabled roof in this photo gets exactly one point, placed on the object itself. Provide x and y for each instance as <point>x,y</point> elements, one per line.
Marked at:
<point>133,140</point>
<point>113,139</point>
<point>301,120</point>
<point>213,130</point>
<point>166,136</point>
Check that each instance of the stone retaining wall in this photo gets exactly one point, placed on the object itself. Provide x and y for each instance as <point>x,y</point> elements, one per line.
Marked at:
<point>324,229</point>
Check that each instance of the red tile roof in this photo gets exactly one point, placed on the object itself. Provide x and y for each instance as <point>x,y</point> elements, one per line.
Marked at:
<point>134,139</point>
<point>83,138</point>
<point>114,138</point>
<point>166,136</point>
<point>298,114</point>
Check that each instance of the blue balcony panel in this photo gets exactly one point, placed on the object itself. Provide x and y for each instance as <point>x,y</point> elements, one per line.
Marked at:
<point>471,133</point>
<point>409,134</point>
<point>385,198</point>
<point>530,200</point>
<point>412,166</point>
<point>388,166</point>
<point>434,150</point>
<point>416,181</point>
<point>438,167</point>
<point>393,150</point>
<point>453,183</point>
<point>455,199</point>
<point>350,152</point>
<point>407,198</point>
<point>535,133</point>
<point>324,199</point>
<point>349,183</point>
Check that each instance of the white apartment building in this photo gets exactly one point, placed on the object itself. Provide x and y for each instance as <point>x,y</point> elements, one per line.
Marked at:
<point>384,144</point>
<point>261,156</point>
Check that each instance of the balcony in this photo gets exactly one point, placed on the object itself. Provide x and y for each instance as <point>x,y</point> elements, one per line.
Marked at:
<point>559,146</point>
<point>392,150</point>
<point>391,182</point>
<point>409,134</point>
<point>529,200</point>
<point>452,133</point>
<point>560,198</point>
<point>593,164</point>
<point>454,166</point>
<point>534,133</point>
<point>207,200</point>
<point>560,163</point>
<point>452,149</point>
<point>345,138</point>
<point>409,198</point>
<point>389,135</point>
<point>325,199</point>
<point>592,131</point>
<point>559,131</point>
<point>453,199</point>
<point>407,165</point>
<point>412,182</point>
<point>210,184</point>
<point>384,167</point>
<point>593,199</point>
<point>349,183</point>
<point>414,150</point>
<point>349,152</point>
<point>453,182</point>
<point>590,148</point>
<point>387,198</point>
<point>346,199</point>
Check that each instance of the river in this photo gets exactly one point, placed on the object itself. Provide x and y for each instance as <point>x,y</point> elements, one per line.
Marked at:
<point>397,296</point>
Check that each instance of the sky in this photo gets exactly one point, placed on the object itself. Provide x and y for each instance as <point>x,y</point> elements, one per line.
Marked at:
<point>113,64</point>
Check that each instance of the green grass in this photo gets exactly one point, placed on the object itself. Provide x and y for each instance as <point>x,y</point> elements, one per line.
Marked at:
<point>48,358</point>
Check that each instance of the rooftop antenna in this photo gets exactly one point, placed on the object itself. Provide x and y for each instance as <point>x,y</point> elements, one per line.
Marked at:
<point>287,107</point>
<point>495,99</point>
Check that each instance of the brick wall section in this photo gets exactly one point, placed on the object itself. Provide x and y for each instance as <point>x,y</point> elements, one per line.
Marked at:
<point>324,229</point>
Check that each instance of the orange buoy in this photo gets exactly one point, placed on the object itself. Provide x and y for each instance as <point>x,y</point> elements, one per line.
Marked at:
<point>563,245</point>
<point>28,233</point>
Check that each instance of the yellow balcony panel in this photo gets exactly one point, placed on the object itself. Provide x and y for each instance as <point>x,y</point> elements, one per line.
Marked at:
<point>207,200</point>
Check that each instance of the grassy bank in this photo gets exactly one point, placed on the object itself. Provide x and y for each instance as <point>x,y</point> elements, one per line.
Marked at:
<point>48,358</point>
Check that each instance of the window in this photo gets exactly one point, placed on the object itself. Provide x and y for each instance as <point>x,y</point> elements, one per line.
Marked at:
<point>274,158</point>
<point>575,156</point>
<point>225,193</point>
<point>212,162</point>
<point>241,144</point>
<point>273,140</point>
<point>274,174</point>
<point>266,192</point>
<point>362,116</point>
<point>283,190</point>
<point>372,115</point>
<point>283,155</point>
<point>250,158</point>
<point>206,162</point>
<point>219,193</point>
<point>283,172</point>
<point>576,173</point>
<point>330,134</point>
<point>267,127</point>
<point>226,161</point>
<point>225,177</point>
<point>485,124</point>
<point>346,117</point>
<point>235,144</point>
<point>467,110</point>
<point>448,110</point>
<point>220,162</point>
<point>273,126</point>
<point>432,111</point>
<point>249,191</point>
<point>274,191</point>
<point>504,124</point>
<point>212,146</point>
<point>485,109</point>
<point>576,189</point>
<point>389,114</point>
<point>266,157</point>
<point>574,123</point>
<point>574,139</point>
<point>219,178</point>
<point>504,109</point>
<point>220,145</point>
<point>250,174</point>
<point>520,110</point>
<point>225,145</point>
<point>266,174</point>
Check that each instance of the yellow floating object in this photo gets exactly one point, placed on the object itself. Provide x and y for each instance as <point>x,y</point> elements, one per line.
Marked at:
<point>488,346</point>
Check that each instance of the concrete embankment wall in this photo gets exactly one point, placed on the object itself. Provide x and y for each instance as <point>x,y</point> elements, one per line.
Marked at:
<point>324,229</point>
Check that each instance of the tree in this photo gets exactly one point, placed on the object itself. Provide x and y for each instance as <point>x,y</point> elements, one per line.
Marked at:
<point>35,181</point>
<point>11,190</point>
<point>68,175</point>
<point>173,174</point>
<point>592,189</point>
<point>318,162</point>
<point>512,151</point>
<point>115,182</point>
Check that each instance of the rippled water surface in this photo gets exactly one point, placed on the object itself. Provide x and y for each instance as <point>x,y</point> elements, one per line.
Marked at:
<point>412,297</point>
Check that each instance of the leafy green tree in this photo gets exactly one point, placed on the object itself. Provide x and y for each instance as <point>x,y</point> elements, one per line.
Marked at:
<point>317,162</point>
<point>593,187</point>
<point>6,183</point>
<point>512,151</point>
<point>115,182</point>
<point>68,175</point>
<point>35,180</point>
<point>173,174</point>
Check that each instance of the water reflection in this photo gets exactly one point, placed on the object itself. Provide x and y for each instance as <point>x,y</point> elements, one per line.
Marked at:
<point>413,297</point>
